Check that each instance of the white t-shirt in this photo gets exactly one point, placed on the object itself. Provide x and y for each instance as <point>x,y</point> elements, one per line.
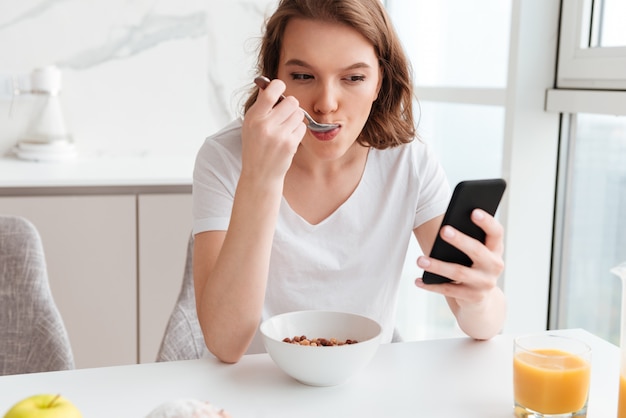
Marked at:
<point>351,261</point>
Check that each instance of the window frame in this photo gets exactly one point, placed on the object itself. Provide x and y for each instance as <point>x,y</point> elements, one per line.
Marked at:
<point>582,67</point>
<point>589,80</point>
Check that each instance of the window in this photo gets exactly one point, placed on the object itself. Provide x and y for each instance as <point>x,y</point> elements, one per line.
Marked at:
<point>446,45</point>
<point>592,44</point>
<point>499,88</point>
<point>482,69</point>
<point>460,70</point>
<point>590,228</point>
<point>593,236</point>
<point>608,24</point>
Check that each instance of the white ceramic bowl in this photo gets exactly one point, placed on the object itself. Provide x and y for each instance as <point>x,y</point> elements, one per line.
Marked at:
<point>321,366</point>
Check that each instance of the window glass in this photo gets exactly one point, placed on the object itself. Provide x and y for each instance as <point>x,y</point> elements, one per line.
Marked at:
<point>452,43</point>
<point>455,42</point>
<point>592,45</point>
<point>594,231</point>
<point>608,23</point>
<point>471,147</point>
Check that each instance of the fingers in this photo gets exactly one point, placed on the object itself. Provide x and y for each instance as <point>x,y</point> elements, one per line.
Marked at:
<point>270,102</point>
<point>271,96</point>
<point>487,263</point>
<point>453,290</point>
<point>271,133</point>
<point>458,273</point>
<point>274,116</point>
<point>493,229</point>
<point>484,256</point>
<point>473,247</point>
<point>473,285</point>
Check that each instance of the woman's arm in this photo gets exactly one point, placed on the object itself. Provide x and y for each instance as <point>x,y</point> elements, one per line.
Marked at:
<point>474,297</point>
<point>231,267</point>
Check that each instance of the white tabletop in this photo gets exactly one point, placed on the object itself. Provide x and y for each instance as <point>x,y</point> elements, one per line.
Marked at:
<point>455,377</point>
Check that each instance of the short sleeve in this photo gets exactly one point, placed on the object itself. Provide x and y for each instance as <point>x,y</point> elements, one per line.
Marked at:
<point>434,189</point>
<point>215,176</point>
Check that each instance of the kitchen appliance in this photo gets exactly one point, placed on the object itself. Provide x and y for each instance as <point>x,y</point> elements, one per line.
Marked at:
<point>46,137</point>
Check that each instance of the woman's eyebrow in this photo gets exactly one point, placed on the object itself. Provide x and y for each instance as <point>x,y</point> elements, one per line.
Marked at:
<point>300,63</point>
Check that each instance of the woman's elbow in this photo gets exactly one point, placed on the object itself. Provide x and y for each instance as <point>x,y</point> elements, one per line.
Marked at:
<point>226,356</point>
<point>226,351</point>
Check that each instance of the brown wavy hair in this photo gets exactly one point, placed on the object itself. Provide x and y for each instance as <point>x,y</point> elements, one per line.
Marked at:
<point>390,122</point>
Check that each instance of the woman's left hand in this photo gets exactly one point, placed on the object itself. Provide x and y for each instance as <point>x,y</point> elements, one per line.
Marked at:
<point>474,295</point>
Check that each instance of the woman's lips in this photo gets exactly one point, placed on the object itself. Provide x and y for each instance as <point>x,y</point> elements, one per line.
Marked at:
<point>326,136</point>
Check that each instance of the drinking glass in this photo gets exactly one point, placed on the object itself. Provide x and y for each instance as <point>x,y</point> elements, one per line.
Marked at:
<point>551,375</point>
<point>620,270</point>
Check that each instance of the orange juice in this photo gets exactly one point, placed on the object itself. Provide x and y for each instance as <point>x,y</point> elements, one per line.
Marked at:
<point>621,409</point>
<point>550,381</point>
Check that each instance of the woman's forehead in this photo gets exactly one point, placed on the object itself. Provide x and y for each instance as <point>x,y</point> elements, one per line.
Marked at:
<point>308,42</point>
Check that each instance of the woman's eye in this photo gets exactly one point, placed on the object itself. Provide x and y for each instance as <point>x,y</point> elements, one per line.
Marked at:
<point>356,78</point>
<point>297,76</point>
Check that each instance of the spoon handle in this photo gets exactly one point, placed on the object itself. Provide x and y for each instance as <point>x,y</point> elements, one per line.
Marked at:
<point>262,82</point>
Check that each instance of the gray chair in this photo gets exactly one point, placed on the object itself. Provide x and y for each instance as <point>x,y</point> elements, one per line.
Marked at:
<point>183,338</point>
<point>33,337</point>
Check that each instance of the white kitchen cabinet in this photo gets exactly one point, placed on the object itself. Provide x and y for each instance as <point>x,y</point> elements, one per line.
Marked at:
<point>91,255</point>
<point>115,264</point>
<point>115,227</point>
<point>164,230</point>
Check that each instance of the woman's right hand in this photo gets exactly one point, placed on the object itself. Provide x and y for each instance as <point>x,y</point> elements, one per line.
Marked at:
<point>271,133</point>
<point>230,294</point>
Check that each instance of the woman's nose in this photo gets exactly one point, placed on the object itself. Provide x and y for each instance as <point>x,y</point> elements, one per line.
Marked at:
<point>326,99</point>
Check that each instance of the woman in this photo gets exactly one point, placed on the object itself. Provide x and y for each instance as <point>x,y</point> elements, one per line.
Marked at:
<point>288,219</point>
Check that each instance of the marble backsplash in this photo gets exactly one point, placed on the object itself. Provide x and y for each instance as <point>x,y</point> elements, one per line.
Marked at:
<point>139,76</point>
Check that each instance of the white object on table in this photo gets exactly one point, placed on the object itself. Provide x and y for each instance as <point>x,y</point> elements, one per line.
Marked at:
<point>456,377</point>
<point>47,137</point>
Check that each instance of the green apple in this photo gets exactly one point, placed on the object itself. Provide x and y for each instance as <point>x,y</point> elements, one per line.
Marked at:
<point>44,406</point>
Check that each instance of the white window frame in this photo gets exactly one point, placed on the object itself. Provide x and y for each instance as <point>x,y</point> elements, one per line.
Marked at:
<point>582,67</point>
<point>589,80</point>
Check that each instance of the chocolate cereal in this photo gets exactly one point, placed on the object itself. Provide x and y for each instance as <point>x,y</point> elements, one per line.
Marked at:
<point>317,342</point>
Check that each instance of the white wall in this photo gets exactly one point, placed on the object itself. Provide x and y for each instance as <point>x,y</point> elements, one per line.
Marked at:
<point>138,77</point>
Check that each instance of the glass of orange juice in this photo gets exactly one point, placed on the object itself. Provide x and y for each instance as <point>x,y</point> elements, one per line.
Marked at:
<point>551,375</point>
<point>621,403</point>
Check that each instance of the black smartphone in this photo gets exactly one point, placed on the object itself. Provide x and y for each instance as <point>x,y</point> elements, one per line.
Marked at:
<point>467,196</point>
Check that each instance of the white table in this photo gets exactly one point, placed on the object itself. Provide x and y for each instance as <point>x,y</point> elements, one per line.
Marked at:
<point>455,377</point>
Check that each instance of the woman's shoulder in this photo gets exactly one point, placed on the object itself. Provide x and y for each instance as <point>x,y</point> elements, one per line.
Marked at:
<point>229,133</point>
<point>416,152</point>
<point>221,152</point>
<point>227,139</point>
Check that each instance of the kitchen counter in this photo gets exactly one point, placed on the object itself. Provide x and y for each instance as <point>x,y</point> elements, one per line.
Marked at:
<point>98,173</point>
<point>133,207</point>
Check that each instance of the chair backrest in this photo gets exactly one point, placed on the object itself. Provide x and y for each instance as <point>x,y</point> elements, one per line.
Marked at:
<point>183,338</point>
<point>33,337</point>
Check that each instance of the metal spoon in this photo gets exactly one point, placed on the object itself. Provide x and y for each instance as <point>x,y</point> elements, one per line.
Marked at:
<point>263,81</point>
